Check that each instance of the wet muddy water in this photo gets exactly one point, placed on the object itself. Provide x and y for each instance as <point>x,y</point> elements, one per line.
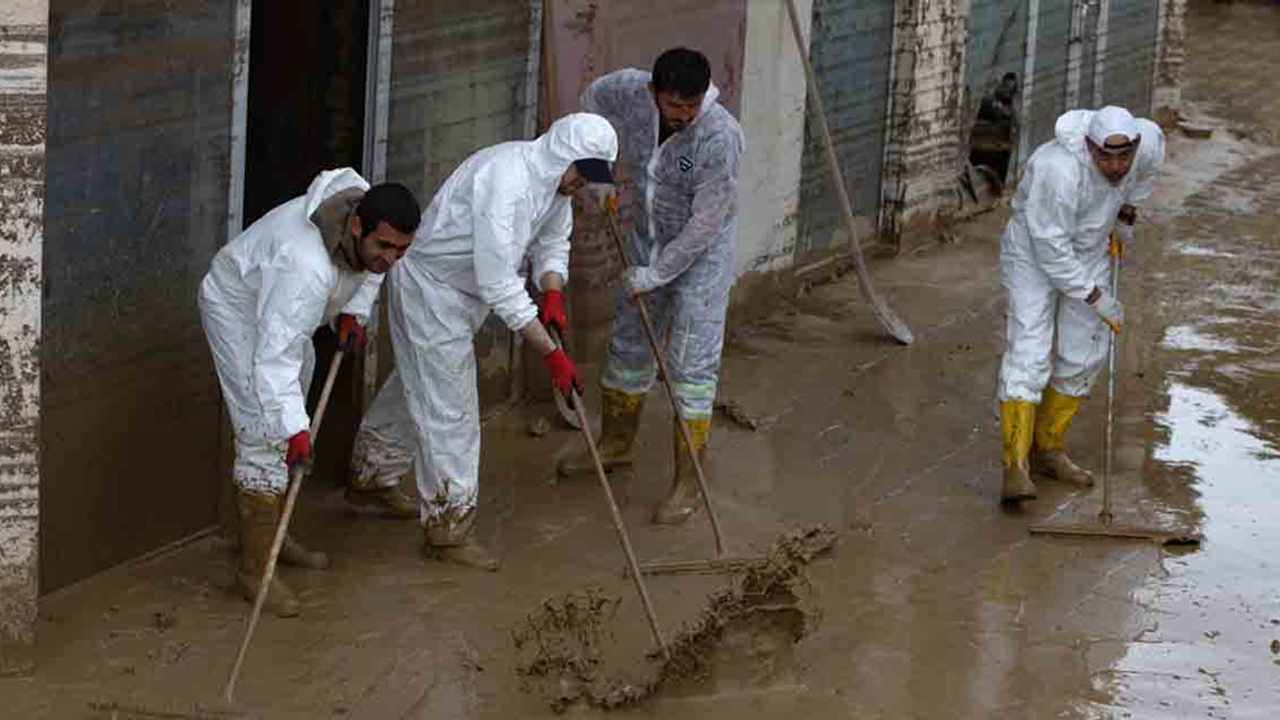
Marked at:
<point>936,603</point>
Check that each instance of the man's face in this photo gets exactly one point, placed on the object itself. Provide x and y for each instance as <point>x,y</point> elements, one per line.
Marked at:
<point>380,249</point>
<point>571,181</point>
<point>1007,90</point>
<point>675,110</point>
<point>1113,165</point>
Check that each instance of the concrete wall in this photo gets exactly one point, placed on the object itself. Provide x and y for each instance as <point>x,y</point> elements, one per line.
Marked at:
<point>924,155</point>
<point>23,72</point>
<point>772,117</point>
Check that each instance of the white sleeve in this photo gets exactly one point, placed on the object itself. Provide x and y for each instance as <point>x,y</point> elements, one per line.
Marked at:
<point>551,247</point>
<point>361,303</point>
<point>1147,164</point>
<point>499,231</point>
<point>290,307</point>
<point>1050,212</point>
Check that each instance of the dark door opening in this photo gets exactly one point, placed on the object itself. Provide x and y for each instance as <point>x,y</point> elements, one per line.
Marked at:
<point>307,114</point>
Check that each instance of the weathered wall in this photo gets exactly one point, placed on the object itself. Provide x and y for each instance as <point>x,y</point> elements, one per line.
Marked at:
<point>923,154</point>
<point>1166,101</point>
<point>23,64</point>
<point>772,117</point>
<point>138,154</point>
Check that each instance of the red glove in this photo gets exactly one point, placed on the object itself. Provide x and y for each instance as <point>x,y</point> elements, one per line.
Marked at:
<point>299,450</point>
<point>563,374</point>
<point>351,338</point>
<point>551,312</point>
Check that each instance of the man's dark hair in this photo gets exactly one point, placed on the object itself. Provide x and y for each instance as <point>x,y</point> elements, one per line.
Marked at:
<point>391,203</point>
<point>1009,76</point>
<point>682,71</point>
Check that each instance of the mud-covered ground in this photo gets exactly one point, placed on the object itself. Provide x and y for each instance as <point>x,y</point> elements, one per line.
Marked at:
<point>935,602</point>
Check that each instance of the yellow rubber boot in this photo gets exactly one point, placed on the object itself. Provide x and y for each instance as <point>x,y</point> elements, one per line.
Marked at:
<point>259,515</point>
<point>682,501</point>
<point>620,422</point>
<point>1017,420</point>
<point>1049,456</point>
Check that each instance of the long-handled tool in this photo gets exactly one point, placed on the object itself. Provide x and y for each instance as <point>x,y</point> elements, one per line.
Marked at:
<point>229,710</point>
<point>888,319</point>
<point>562,406</point>
<point>1104,526</point>
<point>721,561</point>
<point>585,427</point>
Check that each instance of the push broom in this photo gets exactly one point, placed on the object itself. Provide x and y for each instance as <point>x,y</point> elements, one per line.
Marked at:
<point>1105,525</point>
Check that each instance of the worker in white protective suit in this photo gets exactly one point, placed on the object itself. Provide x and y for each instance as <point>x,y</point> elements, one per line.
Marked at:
<point>1078,189</point>
<point>502,203</point>
<point>684,150</point>
<point>317,259</point>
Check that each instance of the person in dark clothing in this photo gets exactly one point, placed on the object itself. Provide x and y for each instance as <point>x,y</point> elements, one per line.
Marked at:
<point>995,130</point>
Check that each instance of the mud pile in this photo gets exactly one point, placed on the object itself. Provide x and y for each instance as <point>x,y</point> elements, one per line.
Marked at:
<point>744,636</point>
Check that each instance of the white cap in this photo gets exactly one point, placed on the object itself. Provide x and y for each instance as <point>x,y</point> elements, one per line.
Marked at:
<point>1112,120</point>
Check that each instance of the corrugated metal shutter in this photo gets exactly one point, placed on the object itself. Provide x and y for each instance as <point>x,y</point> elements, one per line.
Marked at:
<point>1047,98</point>
<point>462,78</point>
<point>851,46</point>
<point>1131,43</point>
<point>995,46</point>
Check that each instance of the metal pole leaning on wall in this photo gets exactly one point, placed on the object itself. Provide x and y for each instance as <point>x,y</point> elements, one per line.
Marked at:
<point>887,318</point>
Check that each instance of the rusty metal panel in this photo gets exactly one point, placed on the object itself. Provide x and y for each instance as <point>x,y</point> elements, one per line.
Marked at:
<point>23,63</point>
<point>1130,54</point>
<point>138,153</point>
<point>851,47</point>
<point>462,78</point>
<point>592,38</point>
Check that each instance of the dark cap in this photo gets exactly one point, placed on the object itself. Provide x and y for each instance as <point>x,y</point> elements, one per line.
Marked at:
<point>594,170</point>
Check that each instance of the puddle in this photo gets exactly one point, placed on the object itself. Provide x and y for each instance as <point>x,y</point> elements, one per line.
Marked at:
<point>1201,251</point>
<point>1190,337</point>
<point>1206,647</point>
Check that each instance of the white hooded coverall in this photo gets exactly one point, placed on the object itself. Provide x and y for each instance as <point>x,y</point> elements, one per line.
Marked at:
<point>264,296</point>
<point>684,234</point>
<point>1054,251</point>
<point>500,204</point>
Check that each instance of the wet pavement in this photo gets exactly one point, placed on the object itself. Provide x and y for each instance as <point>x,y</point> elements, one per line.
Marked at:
<point>936,603</point>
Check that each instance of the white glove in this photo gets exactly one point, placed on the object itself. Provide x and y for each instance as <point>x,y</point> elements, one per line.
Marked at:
<point>640,280</point>
<point>1109,309</point>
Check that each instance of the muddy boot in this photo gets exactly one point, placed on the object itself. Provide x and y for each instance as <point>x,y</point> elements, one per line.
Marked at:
<point>294,553</point>
<point>259,514</point>
<point>1017,419</point>
<point>682,501</point>
<point>453,541</point>
<point>620,421</point>
<point>386,502</point>
<point>1049,457</point>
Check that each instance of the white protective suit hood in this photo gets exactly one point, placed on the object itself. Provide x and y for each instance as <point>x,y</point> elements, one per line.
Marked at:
<point>500,204</point>
<point>578,136</point>
<point>1072,128</point>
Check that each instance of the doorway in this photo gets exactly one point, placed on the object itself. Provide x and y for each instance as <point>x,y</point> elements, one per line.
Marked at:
<point>306,113</point>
